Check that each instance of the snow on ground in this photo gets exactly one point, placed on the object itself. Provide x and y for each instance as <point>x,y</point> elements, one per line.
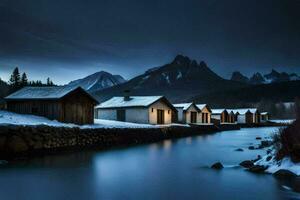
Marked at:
<point>117,124</point>
<point>274,165</point>
<point>283,121</point>
<point>18,119</point>
<point>32,120</point>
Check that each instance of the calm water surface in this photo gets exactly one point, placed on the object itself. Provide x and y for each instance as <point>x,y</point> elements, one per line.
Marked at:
<point>173,169</point>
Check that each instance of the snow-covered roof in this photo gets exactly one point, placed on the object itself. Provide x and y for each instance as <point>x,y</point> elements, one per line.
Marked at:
<point>233,111</point>
<point>264,113</point>
<point>201,106</point>
<point>243,111</point>
<point>134,101</point>
<point>184,106</point>
<point>218,111</point>
<point>52,92</point>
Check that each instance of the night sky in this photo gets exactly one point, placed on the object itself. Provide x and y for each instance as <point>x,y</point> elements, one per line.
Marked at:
<point>69,39</point>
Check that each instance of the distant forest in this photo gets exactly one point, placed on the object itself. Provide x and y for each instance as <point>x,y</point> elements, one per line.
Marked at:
<point>17,81</point>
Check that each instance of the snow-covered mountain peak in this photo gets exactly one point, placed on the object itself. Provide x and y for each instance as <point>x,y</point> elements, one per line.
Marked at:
<point>98,81</point>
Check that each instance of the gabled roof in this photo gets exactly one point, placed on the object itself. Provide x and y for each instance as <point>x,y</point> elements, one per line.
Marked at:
<point>202,106</point>
<point>243,111</point>
<point>218,111</point>
<point>44,93</point>
<point>185,106</point>
<point>134,101</point>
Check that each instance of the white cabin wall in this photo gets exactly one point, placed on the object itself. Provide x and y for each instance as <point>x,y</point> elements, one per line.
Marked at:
<point>109,114</point>
<point>180,114</point>
<point>162,106</point>
<point>216,116</point>
<point>137,115</point>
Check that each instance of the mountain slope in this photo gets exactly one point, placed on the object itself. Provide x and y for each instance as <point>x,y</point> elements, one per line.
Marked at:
<point>179,80</point>
<point>98,81</point>
<point>237,76</point>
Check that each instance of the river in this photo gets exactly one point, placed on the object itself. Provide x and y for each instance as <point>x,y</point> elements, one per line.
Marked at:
<point>172,169</point>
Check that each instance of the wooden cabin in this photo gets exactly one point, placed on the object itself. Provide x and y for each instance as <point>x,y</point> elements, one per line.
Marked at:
<point>205,114</point>
<point>188,113</point>
<point>264,117</point>
<point>137,109</point>
<point>220,115</point>
<point>62,103</point>
<point>233,115</point>
<point>247,115</point>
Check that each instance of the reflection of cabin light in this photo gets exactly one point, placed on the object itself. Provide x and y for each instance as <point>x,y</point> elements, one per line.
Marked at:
<point>167,144</point>
<point>188,140</point>
<point>152,110</point>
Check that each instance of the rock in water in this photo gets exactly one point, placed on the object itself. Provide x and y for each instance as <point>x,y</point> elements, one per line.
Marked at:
<point>247,164</point>
<point>265,143</point>
<point>217,165</point>
<point>257,169</point>
<point>251,148</point>
<point>258,138</point>
<point>269,158</point>
<point>239,149</point>
<point>283,173</point>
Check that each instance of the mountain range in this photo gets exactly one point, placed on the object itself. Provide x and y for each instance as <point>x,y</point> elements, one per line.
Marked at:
<point>98,81</point>
<point>178,80</point>
<point>257,78</point>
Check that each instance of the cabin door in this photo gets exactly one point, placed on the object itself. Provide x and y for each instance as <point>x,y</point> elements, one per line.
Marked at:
<point>160,116</point>
<point>193,117</point>
<point>204,118</point>
<point>121,115</point>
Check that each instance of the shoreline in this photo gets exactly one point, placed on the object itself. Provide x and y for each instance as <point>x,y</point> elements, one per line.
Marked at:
<point>17,141</point>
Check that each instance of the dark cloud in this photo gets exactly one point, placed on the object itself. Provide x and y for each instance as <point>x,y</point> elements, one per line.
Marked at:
<point>127,37</point>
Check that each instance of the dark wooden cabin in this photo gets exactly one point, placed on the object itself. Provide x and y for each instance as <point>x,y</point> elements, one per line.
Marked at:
<point>62,103</point>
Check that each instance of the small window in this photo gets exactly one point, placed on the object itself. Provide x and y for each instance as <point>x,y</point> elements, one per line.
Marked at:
<point>168,111</point>
<point>152,109</point>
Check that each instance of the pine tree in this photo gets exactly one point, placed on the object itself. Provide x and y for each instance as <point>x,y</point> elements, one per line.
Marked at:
<point>49,82</point>
<point>15,79</point>
<point>24,80</point>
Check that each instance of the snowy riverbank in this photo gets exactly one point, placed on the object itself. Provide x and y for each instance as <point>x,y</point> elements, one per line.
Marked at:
<point>274,165</point>
<point>9,118</point>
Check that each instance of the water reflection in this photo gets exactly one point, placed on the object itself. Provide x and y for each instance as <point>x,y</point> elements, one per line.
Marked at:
<point>172,169</point>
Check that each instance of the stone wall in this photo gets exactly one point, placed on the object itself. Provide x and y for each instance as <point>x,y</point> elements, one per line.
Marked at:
<point>16,141</point>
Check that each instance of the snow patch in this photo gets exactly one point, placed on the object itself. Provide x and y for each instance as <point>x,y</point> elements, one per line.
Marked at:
<point>166,77</point>
<point>274,165</point>
<point>179,75</point>
<point>283,121</point>
<point>22,119</point>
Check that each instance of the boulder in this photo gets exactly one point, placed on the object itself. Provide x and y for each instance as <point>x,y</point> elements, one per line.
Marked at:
<point>247,163</point>
<point>217,165</point>
<point>239,149</point>
<point>258,138</point>
<point>257,169</point>
<point>269,158</point>
<point>251,148</point>
<point>283,173</point>
<point>265,143</point>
